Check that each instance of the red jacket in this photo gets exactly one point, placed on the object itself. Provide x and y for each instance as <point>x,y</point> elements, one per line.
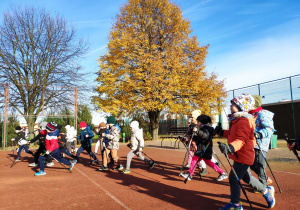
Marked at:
<point>241,136</point>
<point>51,140</point>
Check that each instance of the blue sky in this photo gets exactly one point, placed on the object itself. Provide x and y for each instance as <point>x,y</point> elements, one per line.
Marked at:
<point>251,41</point>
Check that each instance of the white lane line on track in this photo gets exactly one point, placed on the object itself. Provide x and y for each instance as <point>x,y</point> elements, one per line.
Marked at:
<point>287,172</point>
<point>104,190</point>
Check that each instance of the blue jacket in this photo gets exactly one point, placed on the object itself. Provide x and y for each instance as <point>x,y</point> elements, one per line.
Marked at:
<point>265,126</point>
<point>86,141</point>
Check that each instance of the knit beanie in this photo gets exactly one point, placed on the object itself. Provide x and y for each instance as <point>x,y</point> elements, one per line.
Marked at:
<point>258,101</point>
<point>102,124</point>
<point>204,119</point>
<point>245,102</point>
<point>111,120</point>
<point>51,126</point>
<point>82,124</point>
<point>18,128</point>
<point>67,127</point>
<point>135,125</point>
<point>195,114</point>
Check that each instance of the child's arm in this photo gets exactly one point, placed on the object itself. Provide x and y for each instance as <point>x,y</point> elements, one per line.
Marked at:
<point>243,133</point>
<point>140,138</point>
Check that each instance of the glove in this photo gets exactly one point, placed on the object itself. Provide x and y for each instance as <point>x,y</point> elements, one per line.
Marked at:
<point>140,149</point>
<point>257,135</point>
<point>47,152</point>
<point>128,145</point>
<point>219,130</point>
<point>225,148</point>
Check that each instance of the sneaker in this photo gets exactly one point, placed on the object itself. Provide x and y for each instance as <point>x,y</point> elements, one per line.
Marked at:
<point>50,164</point>
<point>269,181</point>
<point>203,172</point>
<point>33,164</point>
<point>74,161</point>
<point>103,168</point>
<point>126,171</point>
<point>40,173</point>
<point>232,206</point>
<point>187,166</point>
<point>270,197</point>
<point>186,175</point>
<point>17,159</point>
<point>222,176</point>
<point>120,168</point>
<point>151,164</point>
<point>72,166</point>
<point>95,161</point>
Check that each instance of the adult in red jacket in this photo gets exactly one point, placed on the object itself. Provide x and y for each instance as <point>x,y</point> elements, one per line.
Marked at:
<point>52,148</point>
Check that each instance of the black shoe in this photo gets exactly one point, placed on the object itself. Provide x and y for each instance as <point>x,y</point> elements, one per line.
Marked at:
<point>95,161</point>
<point>151,164</point>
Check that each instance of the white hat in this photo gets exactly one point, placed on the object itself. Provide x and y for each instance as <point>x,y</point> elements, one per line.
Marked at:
<point>135,125</point>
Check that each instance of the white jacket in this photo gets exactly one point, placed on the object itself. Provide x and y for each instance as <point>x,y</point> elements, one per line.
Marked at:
<point>137,139</point>
<point>71,134</point>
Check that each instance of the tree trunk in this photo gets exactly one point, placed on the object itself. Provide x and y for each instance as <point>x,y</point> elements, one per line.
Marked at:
<point>154,121</point>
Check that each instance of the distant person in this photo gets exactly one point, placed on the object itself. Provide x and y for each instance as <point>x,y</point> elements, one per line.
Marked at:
<point>21,140</point>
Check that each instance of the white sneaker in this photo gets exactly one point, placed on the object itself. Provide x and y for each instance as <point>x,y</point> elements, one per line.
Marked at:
<point>186,175</point>
<point>50,164</point>
<point>33,164</point>
<point>222,176</point>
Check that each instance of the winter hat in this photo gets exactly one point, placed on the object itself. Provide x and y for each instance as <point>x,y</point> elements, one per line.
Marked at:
<point>204,119</point>
<point>195,113</point>
<point>258,101</point>
<point>82,124</point>
<point>67,127</point>
<point>43,125</point>
<point>51,126</point>
<point>245,102</point>
<point>18,128</point>
<point>135,125</point>
<point>102,124</point>
<point>111,120</point>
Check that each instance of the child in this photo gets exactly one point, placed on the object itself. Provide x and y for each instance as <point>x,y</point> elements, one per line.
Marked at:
<point>263,132</point>
<point>42,146</point>
<point>22,142</point>
<point>101,130</point>
<point>203,139</point>
<point>71,137</point>
<point>62,144</point>
<point>52,148</point>
<point>241,141</point>
<point>136,145</point>
<point>86,136</point>
<point>113,138</point>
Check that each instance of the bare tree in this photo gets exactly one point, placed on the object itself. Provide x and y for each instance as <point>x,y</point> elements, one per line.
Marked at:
<point>37,52</point>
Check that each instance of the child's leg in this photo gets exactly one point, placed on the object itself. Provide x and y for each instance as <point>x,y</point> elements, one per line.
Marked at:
<point>37,154</point>
<point>105,155</point>
<point>42,163</point>
<point>114,155</point>
<point>190,156</point>
<point>89,150</point>
<point>27,150</point>
<point>202,164</point>
<point>235,188</point>
<point>56,154</point>
<point>97,146</point>
<point>80,150</point>
<point>213,165</point>
<point>20,150</point>
<point>68,144</point>
<point>253,182</point>
<point>130,155</point>
<point>259,166</point>
<point>66,151</point>
<point>193,163</point>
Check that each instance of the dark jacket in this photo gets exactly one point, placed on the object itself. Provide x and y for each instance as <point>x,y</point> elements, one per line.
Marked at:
<point>203,137</point>
<point>41,137</point>
<point>86,141</point>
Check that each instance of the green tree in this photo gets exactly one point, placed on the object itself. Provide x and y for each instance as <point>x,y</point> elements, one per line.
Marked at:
<point>154,65</point>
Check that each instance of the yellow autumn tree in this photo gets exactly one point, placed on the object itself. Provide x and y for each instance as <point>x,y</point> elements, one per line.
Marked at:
<point>153,64</point>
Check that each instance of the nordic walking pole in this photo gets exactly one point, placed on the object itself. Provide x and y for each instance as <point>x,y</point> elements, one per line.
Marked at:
<point>187,151</point>
<point>236,176</point>
<point>153,160</point>
<point>268,166</point>
<point>13,146</point>
<point>220,161</point>
<point>197,162</point>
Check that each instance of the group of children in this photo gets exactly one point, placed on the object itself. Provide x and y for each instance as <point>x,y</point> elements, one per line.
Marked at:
<point>248,138</point>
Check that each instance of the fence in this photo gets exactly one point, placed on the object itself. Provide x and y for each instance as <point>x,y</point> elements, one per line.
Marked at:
<point>45,102</point>
<point>282,97</point>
